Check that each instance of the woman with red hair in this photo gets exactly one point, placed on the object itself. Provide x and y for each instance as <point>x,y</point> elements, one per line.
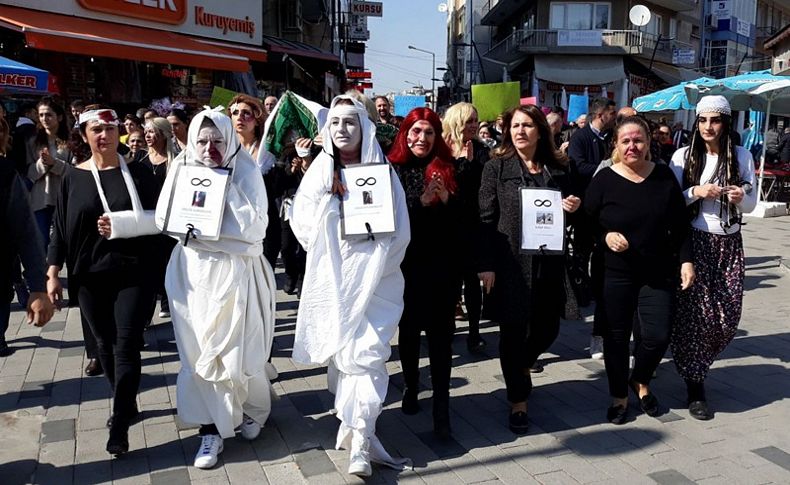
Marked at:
<point>432,266</point>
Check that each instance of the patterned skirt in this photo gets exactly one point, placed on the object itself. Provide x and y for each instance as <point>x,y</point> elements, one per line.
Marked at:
<point>708,313</point>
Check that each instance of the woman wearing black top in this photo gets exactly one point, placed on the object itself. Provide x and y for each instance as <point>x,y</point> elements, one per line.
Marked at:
<point>460,131</point>
<point>641,220</point>
<point>528,291</point>
<point>113,275</point>
<point>433,261</point>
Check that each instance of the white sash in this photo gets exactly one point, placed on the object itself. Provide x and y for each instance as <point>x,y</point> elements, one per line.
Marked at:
<point>137,207</point>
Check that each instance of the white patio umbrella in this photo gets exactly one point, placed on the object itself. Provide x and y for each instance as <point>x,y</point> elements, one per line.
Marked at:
<point>777,96</point>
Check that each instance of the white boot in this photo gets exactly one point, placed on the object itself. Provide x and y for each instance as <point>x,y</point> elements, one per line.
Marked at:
<point>210,448</point>
<point>359,461</point>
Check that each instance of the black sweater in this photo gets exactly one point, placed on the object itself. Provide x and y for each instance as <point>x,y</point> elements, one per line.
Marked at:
<point>76,239</point>
<point>652,217</point>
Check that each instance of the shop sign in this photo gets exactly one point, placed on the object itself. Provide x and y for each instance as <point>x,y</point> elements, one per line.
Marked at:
<point>174,73</point>
<point>230,20</point>
<point>358,28</point>
<point>684,56</point>
<point>579,38</point>
<point>165,11</point>
<point>721,9</point>
<point>367,9</point>
<point>18,81</point>
<point>359,75</point>
<point>744,28</point>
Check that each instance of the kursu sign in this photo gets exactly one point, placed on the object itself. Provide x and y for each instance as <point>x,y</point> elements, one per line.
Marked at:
<point>367,9</point>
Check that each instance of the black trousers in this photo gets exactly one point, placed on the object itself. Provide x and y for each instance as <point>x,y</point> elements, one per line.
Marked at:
<point>654,302</point>
<point>273,241</point>
<point>596,285</point>
<point>521,343</point>
<point>473,300</point>
<point>116,305</point>
<point>437,319</point>
<point>294,256</point>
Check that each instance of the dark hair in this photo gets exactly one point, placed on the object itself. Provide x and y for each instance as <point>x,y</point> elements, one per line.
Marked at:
<point>180,114</point>
<point>79,149</point>
<point>381,97</point>
<point>600,104</point>
<point>546,152</point>
<point>62,135</point>
<point>134,119</point>
<point>77,103</point>
<point>442,159</point>
<point>726,166</point>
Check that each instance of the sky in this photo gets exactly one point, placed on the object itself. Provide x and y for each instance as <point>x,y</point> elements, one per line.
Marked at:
<point>388,57</point>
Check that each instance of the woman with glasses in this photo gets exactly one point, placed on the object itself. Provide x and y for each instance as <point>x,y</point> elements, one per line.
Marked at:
<point>717,179</point>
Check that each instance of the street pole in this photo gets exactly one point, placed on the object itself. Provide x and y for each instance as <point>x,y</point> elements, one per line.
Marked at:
<point>433,74</point>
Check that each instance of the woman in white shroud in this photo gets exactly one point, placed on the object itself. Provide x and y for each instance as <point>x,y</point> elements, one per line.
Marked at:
<point>222,298</point>
<point>352,298</point>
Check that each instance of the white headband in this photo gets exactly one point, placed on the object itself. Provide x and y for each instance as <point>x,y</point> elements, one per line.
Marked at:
<point>343,109</point>
<point>714,104</point>
<point>103,116</point>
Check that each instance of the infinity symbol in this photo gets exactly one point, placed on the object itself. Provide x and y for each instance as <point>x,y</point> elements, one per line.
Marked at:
<point>363,182</point>
<point>542,203</point>
<point>204,182</point>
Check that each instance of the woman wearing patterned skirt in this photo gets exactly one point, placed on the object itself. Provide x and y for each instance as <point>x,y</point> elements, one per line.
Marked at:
<point>717,179</point>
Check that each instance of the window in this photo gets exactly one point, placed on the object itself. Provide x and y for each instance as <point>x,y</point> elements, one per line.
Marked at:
<point>655,25</point>
<point>579,15</point>
<point>673,28</point>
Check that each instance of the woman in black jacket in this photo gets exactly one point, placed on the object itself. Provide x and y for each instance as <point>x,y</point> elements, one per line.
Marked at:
<point>530,292</point>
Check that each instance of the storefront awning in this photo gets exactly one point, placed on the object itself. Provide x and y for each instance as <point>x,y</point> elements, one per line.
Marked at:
<point>294,48</point>
<point>579,70</point>
<point>73,35</point>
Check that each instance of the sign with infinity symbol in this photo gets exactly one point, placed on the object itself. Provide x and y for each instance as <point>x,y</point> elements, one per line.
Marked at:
<point>197,202</point>
<point>200,182</point>
<point>542,221</point>
<point>361,182</point>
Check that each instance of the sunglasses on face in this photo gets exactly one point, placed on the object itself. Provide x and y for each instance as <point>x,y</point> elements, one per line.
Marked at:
<point>243,113</point>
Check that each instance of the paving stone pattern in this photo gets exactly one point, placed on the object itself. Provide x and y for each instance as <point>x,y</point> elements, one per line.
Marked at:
<point>53,417</point>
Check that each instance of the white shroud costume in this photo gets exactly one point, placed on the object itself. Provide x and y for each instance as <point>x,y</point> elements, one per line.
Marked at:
<point>222,298</point>
<point>352,297</point>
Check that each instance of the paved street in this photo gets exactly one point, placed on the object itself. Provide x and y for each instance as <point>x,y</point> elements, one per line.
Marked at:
<point>52,417</point>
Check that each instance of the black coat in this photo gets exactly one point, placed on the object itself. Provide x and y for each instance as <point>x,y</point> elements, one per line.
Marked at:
<point>517,273</point>
<point>586,150</point>
<point>784,148</point>
<point>469,174</point>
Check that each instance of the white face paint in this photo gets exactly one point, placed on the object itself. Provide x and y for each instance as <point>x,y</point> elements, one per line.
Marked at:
<point>346,132</point>
<point>210,146</point>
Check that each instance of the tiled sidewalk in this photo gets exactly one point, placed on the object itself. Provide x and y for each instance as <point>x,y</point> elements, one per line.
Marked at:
<point>52,417</point>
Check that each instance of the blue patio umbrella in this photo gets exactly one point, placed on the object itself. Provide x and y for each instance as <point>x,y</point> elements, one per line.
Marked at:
<point>669,99</point>
<point>16,77</point>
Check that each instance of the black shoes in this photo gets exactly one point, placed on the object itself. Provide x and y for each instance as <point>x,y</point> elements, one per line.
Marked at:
<point>118,444</point>
<point>617,414</point>
<point>94,368</point>
<point>518,422</point>
<point>5,350</point>
<point>290,285</point>
<point>475,345</point>
<point>699,410</point>
<point>410,404</point>
<point>648,402</point>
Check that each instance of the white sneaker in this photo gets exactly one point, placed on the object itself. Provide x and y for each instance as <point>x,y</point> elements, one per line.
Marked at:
<point>209,450</point>
<point>250,429</point>
<point>164,314</point>
<point>596,347</point>
<point>359,462</point>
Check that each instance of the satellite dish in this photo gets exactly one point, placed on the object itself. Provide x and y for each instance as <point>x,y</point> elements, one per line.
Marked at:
<point>442,7</point>
<point>639,15</point>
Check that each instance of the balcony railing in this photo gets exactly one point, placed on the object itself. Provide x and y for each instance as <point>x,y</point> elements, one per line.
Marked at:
<point>622,42</point>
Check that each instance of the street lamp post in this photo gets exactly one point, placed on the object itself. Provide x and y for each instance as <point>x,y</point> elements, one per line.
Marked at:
<point>433,74</point>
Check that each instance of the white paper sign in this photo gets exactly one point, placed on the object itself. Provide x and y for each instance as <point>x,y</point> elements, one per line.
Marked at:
<point>367,206</point>
<point>583,38</point>
<point>542,221</point>
<point>197,201</point>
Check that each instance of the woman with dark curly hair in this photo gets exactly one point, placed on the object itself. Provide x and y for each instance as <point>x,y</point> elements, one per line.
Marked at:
<point>528,291</point>
<point>431,268</point>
